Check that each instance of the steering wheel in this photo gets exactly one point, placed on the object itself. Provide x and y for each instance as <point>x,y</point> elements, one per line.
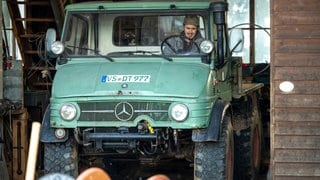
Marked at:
<point>174,44</point>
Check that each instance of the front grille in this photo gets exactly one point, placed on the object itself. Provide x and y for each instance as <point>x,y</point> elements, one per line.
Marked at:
<point>122,111</point>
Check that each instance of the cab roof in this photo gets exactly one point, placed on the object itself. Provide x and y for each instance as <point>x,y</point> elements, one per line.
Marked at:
<point>138,5</point>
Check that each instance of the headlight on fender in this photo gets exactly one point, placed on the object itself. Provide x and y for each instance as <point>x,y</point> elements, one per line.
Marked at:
<point>179,112</point>
<point>57,48</point>
<point>68,111</point>
<point>206,46</point>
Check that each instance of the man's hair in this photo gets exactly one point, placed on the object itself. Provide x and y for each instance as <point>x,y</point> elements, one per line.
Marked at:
<point>191,20</point>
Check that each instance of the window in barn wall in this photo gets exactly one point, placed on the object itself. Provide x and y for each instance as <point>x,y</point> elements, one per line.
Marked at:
<point>262,32</point>
<point>255,23</point>
<point>10,43</point>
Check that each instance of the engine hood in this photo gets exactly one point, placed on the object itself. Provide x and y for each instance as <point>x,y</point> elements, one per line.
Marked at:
<point>168,79</point>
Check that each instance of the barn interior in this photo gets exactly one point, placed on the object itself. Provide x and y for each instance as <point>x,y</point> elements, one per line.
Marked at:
<point>282,45</point>
<point>27,78</point>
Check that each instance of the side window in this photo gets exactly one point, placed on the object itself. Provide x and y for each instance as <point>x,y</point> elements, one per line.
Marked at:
<point>77,36</point>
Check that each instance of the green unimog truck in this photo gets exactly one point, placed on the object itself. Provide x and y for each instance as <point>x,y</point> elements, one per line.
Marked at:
<point>119,96</point>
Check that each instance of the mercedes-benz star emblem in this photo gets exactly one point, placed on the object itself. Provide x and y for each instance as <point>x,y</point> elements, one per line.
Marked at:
<point>123,111</point>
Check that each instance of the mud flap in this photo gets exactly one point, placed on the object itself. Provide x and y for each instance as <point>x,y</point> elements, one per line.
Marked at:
<point>212,132</point>
<point>47,132</point>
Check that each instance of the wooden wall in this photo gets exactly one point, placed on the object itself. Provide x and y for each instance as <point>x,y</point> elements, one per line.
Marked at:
<point>295,116</point>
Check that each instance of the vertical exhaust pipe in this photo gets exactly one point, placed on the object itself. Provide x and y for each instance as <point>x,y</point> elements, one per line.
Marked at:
<point>219,9</point>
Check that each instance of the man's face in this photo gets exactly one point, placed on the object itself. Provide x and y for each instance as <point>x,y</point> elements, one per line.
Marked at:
<point>190,30</point>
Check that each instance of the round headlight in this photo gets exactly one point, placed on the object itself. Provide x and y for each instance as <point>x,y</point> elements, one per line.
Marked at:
<point>179,112</point>
<point>68,111</point>
<point>206,46</point>
<point>57,48</point>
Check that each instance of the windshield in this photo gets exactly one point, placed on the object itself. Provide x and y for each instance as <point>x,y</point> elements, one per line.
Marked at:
<point>91,34</point>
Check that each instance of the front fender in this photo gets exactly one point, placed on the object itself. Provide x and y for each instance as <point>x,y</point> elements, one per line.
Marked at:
<point>212,132</point>
<point>47,132</point>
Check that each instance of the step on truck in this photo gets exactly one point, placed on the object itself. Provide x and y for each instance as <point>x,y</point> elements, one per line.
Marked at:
<point>124,89</point>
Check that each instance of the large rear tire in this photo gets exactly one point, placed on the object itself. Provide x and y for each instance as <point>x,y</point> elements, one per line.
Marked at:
<point>248,143</point>
<point>214,160</point>
<point>61,158</point>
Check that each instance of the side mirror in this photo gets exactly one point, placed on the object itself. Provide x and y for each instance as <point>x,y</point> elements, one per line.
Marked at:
<point>53,47</point>
<point>51,36</point>
<point>236,40</point>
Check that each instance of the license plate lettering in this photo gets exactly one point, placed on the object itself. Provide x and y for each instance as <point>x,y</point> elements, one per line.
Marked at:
<point>125,78</point>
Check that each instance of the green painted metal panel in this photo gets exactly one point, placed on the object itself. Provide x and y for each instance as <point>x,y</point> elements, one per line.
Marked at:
<point>140,78</point>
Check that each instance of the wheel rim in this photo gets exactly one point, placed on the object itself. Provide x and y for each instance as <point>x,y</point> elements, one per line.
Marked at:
<point>256,147</point>
<point>229,162</point>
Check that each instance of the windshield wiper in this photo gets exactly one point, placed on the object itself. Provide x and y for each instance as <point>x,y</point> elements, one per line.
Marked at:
<point>155,55</point>
<point>95,52</point>
<point>141,52</point>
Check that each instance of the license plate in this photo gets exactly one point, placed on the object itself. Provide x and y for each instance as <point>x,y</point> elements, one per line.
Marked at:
<point>125,78</point>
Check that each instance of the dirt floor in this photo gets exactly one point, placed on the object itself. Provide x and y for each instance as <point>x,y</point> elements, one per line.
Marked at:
<point>175,170</point>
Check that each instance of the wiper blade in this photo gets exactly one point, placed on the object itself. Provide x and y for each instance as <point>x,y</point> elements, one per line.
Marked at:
<point>153,54</point>
<point>138,53</point>
<point>95,52</point>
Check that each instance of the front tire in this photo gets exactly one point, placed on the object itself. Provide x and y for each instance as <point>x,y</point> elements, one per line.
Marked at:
<point>61,158</point>
<point>214,160</point>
